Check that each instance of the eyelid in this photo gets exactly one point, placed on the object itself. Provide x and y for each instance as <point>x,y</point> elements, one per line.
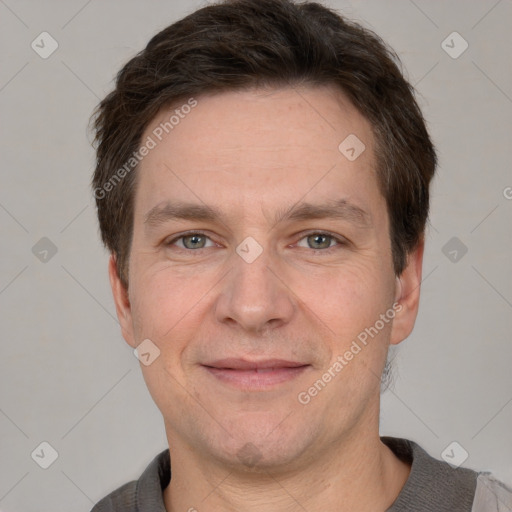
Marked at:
<point>179,236</point>
<point>341,240</point>
<point>338,238</point>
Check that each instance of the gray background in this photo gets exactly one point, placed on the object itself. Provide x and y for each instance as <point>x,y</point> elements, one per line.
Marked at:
<point>66,375</point>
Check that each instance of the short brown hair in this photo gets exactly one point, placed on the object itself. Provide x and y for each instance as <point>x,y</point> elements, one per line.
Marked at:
<point>240,44</point>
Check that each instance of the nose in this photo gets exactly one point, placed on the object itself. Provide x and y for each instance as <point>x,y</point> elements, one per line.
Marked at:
<point>254,296</point>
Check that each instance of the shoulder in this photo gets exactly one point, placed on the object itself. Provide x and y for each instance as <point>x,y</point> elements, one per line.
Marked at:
<point>437,486</point>
<point>123,498</point>
<point>491,495</point>
<point>144,494</point>
<point>433,485</point>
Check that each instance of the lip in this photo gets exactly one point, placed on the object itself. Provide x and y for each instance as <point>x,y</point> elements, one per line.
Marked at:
<point>232,363</point>
<point>255,375</point>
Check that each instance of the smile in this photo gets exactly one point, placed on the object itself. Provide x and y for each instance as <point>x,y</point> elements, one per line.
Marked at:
<point>255,376</point>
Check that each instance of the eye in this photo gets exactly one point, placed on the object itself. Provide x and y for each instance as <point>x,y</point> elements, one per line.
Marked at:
<point>191,241</point>
<point>321,241</point>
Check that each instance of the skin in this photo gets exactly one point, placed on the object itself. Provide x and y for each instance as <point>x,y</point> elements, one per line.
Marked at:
<point>252,154</point>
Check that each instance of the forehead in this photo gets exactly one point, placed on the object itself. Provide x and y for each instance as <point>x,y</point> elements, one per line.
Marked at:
<point>258,147</point>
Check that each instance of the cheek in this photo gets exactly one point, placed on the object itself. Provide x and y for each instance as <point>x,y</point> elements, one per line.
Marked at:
<point>155,308</point>
<point>169,307</point>
<point>346,299</point>
<point>351,305</point>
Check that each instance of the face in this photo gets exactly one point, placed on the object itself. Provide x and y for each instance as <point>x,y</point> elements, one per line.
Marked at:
<point>261,257</point>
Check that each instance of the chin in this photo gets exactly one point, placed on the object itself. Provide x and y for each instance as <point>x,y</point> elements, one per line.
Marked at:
<point>262,442</point>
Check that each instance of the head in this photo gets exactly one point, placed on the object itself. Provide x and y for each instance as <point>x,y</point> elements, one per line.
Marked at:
<point>297,144</point>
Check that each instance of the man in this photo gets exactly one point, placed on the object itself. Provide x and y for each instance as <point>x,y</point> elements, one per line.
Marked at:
<point>262,184</point>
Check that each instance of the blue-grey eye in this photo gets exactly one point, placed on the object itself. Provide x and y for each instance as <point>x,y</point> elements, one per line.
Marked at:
<point>194,241</point>
<point>319,241</point>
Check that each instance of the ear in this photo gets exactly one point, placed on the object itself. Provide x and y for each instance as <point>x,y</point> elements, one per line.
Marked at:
<point>123,307</point>
<point>407,298</point>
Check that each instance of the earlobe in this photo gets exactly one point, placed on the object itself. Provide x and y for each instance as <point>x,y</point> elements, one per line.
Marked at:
<point>122,302</point>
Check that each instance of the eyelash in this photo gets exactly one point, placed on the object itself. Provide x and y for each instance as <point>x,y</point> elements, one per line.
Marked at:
<point>339,241</point>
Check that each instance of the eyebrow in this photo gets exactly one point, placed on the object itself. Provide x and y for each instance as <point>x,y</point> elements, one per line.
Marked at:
<point>338,209</point>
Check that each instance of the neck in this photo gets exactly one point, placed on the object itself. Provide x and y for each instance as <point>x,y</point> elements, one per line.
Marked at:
<point>358,473</point>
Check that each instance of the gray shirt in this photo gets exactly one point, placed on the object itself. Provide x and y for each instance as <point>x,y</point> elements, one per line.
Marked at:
<point>432,486</point>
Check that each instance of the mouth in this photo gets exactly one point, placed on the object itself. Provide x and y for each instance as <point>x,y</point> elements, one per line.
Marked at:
<point>255,375</point>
